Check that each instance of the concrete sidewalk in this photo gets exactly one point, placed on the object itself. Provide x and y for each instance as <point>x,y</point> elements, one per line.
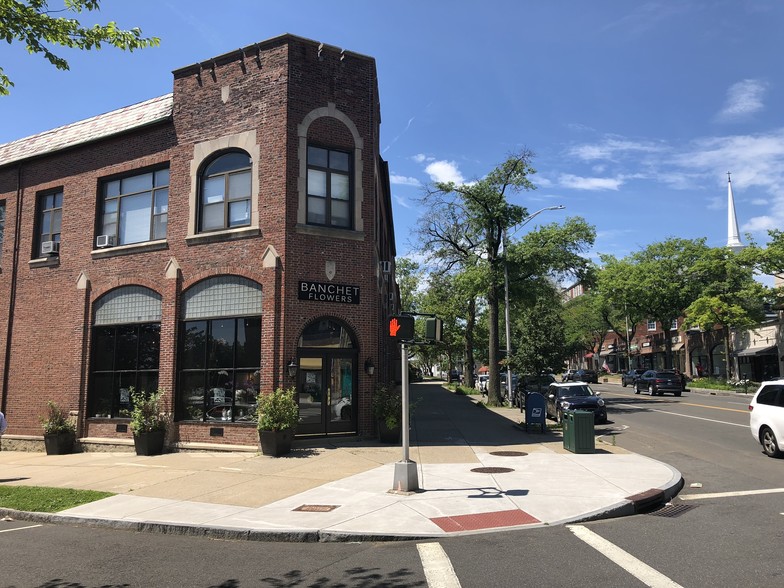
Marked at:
<point>477,471</point>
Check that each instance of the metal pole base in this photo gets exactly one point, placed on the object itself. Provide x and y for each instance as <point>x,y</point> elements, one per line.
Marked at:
<point>406,479</point>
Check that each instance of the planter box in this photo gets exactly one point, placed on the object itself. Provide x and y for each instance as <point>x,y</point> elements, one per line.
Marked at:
<point>149,443</point>
<point>276,443</point>
<point>59,443</point>
<point>387,435</point>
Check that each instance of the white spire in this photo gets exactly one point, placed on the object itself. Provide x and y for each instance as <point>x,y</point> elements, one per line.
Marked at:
<point>733,236</point>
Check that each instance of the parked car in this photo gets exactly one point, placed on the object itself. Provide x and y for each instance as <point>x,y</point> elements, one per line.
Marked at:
<point>481,382</point>
<point>589,376</point>
<point>504,389</point>
<point>766,417</point>
<point>454,376</point>
<point>659,382</point>
<point>567,375</point>
<point>631,376</point>
<point>574,396</point>
<point>531,383</point>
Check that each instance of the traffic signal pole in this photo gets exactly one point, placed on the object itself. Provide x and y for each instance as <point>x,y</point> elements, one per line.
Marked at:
<point>406,477</point>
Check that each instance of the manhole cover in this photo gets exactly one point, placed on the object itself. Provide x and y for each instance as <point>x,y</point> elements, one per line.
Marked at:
<point>492,470</point>
<point>508,453</point>
<point>672,510</point>
<point>316,507</point>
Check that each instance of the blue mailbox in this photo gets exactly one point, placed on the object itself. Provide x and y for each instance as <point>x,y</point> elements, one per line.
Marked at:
<point>535,413</point>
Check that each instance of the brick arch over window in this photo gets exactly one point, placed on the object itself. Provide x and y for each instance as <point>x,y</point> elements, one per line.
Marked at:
<point>302,131</point>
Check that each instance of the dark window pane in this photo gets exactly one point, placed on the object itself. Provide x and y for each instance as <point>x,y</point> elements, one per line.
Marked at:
<point>149,346</point>
<point>127,348</point>
<point>317,156</point>
<point>221,343</point>
<point>227,163</point>
<point>248,342</point>
<point>194,345</point>
<point>325,333</point>
<point>103,349</point>
<point>191,396</point>
<point>338,160</point>
<point>101,395</point>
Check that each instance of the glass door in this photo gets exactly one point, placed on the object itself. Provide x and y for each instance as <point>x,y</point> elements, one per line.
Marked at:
<point>325,387</point>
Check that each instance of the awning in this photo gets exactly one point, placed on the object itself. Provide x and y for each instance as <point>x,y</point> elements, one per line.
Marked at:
<point>677,346</point>
<point>767,350</point>
<point>588,355</point>
<point>608,352</point>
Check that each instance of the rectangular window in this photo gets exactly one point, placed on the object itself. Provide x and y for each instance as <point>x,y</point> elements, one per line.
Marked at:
<point>674,325</point>
<point>219,379</point>
<point>50,216</point>
<point>135,208</point>
<point>329,188</point>
<point>651,325</point>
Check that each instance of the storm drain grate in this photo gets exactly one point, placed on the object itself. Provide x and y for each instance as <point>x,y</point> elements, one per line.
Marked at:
<point>316,507</point>
<point>492,470</point>
<point>509,453</point>
<point>672,510</point>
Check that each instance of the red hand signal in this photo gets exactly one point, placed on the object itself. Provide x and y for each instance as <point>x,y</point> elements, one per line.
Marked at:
<point>394,327</point>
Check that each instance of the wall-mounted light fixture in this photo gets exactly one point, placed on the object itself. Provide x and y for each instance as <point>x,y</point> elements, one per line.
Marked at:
<point>292,368</point>
<point>369,367</point>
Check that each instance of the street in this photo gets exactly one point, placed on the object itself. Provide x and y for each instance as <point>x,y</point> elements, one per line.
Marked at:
<point>723,531</point>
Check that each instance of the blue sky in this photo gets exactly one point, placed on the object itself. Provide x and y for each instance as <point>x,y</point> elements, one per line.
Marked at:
<point>635,110</point>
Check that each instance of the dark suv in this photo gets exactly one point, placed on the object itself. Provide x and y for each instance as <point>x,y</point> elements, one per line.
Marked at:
<point>528,384</point>
<point>589,376</point>
<point>631,376</point>
<point>659,382</point>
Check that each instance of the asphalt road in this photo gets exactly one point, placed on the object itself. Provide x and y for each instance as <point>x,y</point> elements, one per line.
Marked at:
<point>725,533</point>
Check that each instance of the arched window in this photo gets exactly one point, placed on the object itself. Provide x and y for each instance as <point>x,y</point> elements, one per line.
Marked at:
<point>220,350</point>
<point>225,192</point>
<point>126,345</point>
<point>719,361</point>
<point>325,333</point>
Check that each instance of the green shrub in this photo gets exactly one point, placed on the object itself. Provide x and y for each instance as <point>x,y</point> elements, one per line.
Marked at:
<point>57,421</point>
<point>278,410</point>
<point>147,413</point>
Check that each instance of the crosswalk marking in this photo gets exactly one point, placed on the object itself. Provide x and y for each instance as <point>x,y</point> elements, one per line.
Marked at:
<point>642,571</point>
<point>439,572</point>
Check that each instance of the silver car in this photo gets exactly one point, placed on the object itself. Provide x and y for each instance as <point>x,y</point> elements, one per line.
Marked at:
<point>766,417</point>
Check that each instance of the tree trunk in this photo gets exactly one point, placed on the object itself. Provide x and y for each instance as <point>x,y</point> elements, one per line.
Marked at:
<point>667,349</point>
<point>469,343</point>
<point>493,383</point>
<point>727,352</point>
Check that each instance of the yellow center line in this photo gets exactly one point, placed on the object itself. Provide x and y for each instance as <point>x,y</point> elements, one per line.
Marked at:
<point>715,407</point>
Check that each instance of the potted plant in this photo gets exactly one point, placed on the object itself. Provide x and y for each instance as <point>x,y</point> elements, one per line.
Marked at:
<point>278,415</point>
<point>388,409</point>
<point>148,422</point>
<point>59,431</point>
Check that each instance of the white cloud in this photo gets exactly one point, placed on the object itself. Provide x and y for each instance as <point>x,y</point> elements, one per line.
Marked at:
<point>717,203</point>
<point>759,202</point>
<point>613,147</point>
<point>444,171</point>
<point>581,183</point>
<point>403,180</point>
<point>402,202</point>
<point>422,158</point>
<point>743,98</point>
<point>761,223</point>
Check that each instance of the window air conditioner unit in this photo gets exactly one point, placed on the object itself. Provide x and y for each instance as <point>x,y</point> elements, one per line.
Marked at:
<point>50,247</point>
<point>104,241</point>
<point>386,267</point>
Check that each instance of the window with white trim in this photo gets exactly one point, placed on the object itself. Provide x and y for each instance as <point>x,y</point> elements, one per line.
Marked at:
<point>330,199</point>
<point>651,325</point>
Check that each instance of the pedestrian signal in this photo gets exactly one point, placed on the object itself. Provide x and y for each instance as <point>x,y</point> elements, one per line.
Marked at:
<point>433,329</point>
<point>402,327</point>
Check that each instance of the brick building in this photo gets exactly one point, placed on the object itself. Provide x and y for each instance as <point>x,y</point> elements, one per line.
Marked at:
<point>223,240</point>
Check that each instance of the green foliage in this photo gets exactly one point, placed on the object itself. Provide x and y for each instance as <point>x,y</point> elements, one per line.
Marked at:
<point>34,24</point>
<point>147,413</point>
<point>540,340</point>
<point>42,499</point>
<point>387,406</point>
<point>278,410</point>
<point>57,421</point>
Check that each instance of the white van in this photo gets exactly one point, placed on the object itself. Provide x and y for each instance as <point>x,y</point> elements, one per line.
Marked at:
<point>767,417</point>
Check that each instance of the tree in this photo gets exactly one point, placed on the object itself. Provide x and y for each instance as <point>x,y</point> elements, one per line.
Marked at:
<point>540,334</point>
<point>465,227</point>
<point>32,23</point>
<point>657,283</point>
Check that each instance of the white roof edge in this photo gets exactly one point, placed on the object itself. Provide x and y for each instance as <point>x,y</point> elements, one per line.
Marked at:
<point>87,130</point>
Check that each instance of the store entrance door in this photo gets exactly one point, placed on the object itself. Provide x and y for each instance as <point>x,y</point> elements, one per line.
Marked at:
<point>326,385</point>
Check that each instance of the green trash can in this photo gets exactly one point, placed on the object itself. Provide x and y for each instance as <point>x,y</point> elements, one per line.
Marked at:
<point>578,433</point>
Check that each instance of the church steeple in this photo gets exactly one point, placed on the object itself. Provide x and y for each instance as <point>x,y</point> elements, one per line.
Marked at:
<point>733,236</point>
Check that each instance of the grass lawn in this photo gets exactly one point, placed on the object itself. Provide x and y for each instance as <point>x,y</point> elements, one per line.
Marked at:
<point>41,499</point>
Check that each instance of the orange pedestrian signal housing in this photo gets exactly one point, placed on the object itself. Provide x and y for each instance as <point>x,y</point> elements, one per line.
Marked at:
<point>402,327</point>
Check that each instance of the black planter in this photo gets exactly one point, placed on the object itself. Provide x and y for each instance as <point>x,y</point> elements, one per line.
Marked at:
<point>387,434</point>
<point>59,443</point>
<point>149,442</point>
<point>276,443</point>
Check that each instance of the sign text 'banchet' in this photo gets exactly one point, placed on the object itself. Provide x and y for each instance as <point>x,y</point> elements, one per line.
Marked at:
<point>324,292</point>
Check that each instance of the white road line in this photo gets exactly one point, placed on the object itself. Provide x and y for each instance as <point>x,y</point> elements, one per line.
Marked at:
<point>140,465</point>
<point>439,572</point>
<point>687,416</point>
<point>20,528</point>
<point>642,571</point>
<point>731,494</point>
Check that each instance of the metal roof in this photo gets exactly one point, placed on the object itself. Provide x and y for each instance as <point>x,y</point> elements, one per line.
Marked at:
<point>85,131</point>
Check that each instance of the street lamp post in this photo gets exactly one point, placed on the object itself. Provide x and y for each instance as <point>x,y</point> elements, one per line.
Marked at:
<point>506,300</point>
